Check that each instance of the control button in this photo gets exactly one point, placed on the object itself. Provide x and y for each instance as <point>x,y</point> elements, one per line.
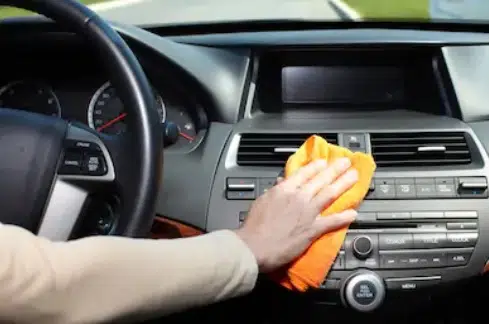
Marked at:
<point>425,188</point>
<point>385,189</point>
<point>462,226</point>
<point>411,259</point>
<point>364,292</point>
<point>429,240</point>
<point>462,239</point>
<point>395,241</point>
<point>460,214</point>
<point>412,283</point>
<point>426,214</point>
<point>330,284</point>
<point>405,188</point>
<point>82,145</point>
<point>472,187</point>
<point>242,216</point>
<point>393,215</point>
<point>458,258</point>
<point>434,260</point>
<point>362,247</point>
<point>445,187</point>
<point>389,261</point>
<point>240,195</point>
<point>240,184</point>
<point>264,184</point>
<point>366,217</point>
<point>352,257</point>
<point>94,164</point>
<point>355,142</point>
<point>72,162</point>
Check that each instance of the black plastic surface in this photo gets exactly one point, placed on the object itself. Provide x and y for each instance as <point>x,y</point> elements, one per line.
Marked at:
<point>188,178</point>
<point>30,150</point>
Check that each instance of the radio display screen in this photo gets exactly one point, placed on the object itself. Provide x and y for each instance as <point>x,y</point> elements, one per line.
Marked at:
<point>343,84</point>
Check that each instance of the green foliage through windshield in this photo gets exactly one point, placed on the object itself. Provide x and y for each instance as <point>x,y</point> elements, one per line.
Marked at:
<point>391,9</point>
<point>14,12</point>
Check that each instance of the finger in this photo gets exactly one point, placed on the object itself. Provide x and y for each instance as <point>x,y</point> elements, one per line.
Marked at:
<point>304,174</point>
<point>279,180</point>
<point>326,177</point>
<point>333,222</point>
<point>330,193</point>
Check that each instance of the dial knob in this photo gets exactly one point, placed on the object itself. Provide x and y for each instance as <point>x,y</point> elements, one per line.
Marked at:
<point>364,291</point>
<point>362,247</point>
<point>170,133</point>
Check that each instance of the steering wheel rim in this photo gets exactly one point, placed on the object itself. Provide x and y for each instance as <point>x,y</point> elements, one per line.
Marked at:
<point>133,162</point>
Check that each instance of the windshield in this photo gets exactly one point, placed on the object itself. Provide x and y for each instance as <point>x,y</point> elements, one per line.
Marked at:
<point>162,12</point>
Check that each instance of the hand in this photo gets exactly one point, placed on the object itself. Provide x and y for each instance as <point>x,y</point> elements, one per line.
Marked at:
<point>284,221</point>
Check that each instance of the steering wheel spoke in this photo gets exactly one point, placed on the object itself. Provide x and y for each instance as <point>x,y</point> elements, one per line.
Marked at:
<point>85,164</point>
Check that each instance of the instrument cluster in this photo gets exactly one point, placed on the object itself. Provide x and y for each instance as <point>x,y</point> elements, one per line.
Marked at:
<point>104,111</point>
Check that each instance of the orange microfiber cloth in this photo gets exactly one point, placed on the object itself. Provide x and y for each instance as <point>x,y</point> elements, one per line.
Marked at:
<point>312,267</point>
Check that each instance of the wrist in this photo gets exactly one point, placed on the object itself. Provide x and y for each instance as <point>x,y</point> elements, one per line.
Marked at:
<point>252,246</point>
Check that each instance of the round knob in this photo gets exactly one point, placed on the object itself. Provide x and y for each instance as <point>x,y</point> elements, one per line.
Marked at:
<point>362,247</point>
<point>170,133</point>
<point>364,291</point>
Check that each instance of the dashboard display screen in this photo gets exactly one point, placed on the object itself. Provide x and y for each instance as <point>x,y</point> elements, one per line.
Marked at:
<point>343,85</point>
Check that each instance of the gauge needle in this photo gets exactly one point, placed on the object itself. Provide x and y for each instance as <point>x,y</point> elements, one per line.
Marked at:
<point>187,137</point>
<point>112,122</point>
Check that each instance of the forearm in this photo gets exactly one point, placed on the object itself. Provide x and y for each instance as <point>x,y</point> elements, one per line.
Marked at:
<point>101,278</point>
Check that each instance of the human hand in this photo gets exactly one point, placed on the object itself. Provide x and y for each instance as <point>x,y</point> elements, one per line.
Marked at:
<point>284,221</point>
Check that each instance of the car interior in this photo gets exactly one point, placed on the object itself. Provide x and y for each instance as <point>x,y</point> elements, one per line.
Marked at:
<point>233,102</point>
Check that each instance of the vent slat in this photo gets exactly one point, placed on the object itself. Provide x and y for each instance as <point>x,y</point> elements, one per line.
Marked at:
<point>273,149</point>
<point>420,149</point>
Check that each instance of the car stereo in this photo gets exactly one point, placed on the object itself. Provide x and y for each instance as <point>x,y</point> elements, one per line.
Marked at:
<point>418,227</point>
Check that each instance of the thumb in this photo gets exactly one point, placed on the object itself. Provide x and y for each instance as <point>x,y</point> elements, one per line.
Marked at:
<point>326,224</point>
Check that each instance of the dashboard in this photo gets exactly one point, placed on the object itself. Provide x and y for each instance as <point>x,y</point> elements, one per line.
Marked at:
<point>414,98</point>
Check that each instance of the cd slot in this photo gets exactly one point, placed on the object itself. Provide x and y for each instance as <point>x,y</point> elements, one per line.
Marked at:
<point>398,228</point>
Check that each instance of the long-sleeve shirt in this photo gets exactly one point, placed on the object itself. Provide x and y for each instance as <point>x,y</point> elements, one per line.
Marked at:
<point>97,279</point>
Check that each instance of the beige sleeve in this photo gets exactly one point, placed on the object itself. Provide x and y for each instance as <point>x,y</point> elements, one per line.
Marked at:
<point>97,279</point>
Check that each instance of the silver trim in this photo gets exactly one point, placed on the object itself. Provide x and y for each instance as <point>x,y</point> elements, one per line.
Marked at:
<point>244,186</point>
<point>62,212</point>
<point>285,149</point>
<point>397,230</point>
<point>372,278</point>
<point>105,86</point>
<point>252,89</point>
<point>473,185</point>
<point>232,154</point>
<point>432,149</point>
<point>414,278</point>
<point>79,134</point>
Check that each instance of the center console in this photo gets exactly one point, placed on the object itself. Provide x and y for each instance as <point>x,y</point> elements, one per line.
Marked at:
<point>421,226</point>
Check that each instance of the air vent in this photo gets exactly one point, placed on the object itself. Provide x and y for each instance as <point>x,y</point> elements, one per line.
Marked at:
<point>272,149</point>
<point>420,149</point>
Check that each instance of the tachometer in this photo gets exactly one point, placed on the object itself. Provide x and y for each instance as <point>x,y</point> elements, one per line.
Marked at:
<point>30,96</point>
<point>106,112</point>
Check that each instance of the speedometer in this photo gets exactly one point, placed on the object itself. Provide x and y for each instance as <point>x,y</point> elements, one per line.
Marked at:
<point>106,112</point>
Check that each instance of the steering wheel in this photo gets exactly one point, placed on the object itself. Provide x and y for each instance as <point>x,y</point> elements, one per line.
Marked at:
<point>49,167</point>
